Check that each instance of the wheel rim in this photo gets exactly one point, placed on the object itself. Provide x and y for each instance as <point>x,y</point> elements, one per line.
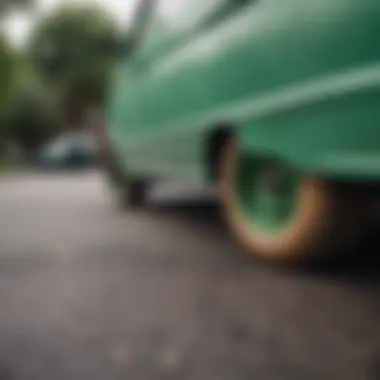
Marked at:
<point>266,193</point>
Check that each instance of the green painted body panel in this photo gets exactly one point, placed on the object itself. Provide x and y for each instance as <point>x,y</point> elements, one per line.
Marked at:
<point>298,80</point>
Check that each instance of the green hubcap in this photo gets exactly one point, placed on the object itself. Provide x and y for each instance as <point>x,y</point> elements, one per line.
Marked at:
<point>266,193</point>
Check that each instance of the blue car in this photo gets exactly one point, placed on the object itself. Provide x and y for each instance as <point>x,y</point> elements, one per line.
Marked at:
<point>69,152</point>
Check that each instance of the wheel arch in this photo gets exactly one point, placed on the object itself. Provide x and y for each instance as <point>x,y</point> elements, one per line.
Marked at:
<point>216,139</point>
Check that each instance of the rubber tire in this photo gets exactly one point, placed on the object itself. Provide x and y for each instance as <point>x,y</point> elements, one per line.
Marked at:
<point>327,219</point>
<point>129,193</point>
<point>133,194</point>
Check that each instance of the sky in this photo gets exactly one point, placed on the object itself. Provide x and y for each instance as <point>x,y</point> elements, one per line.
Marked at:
<point>18,26</point>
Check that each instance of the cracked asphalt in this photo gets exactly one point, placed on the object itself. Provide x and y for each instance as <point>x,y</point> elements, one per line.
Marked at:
<point>90,292</point>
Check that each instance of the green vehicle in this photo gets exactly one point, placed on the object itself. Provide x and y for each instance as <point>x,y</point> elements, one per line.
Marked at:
<point>276,102</point>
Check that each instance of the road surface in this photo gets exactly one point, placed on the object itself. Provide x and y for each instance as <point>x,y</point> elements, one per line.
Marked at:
<point>89,292</point>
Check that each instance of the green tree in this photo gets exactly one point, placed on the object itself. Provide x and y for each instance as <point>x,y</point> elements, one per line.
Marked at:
<point>6,63</point>
<point>7,60</point>
<point>75,48</point>
<point>7,76</point>
<point>32,115</point>
<point>8,5</point>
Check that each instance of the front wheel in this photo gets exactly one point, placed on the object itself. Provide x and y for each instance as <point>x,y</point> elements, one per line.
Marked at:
<point>129,192</point>
<point>281,215</point>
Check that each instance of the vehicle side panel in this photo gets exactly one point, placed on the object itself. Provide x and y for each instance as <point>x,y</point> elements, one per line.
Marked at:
<point>244,72</point>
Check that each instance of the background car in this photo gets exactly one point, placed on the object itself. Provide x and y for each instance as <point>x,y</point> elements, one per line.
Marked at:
<point>76,151</point>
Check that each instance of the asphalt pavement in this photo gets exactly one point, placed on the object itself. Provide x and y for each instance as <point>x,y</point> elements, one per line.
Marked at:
<point>88,291</point>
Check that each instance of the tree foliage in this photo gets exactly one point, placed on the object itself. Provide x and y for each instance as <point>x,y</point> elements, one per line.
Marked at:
<point>8,60</point>
<point>75,48</point>
<point>33,116</point>
<point>7,5</point>
<point>6,70</point>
